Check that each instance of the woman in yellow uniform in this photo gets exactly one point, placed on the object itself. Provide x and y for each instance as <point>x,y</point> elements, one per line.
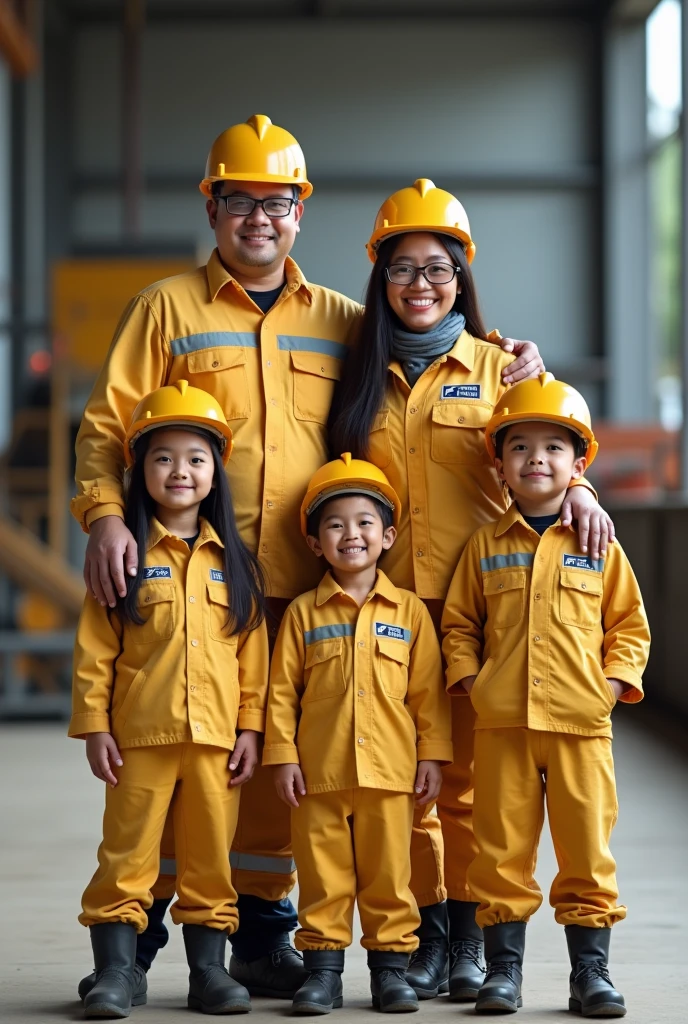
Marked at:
<point>414,399</point>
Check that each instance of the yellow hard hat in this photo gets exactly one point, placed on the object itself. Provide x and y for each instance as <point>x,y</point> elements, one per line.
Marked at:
<point>178,405</point>
<point>346,475</point>
<point>256,150</point>
<point>422,207</point>
<point>546,399</point>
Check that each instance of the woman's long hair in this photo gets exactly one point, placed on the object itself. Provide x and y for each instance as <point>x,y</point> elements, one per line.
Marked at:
<point>244,576</point>
<point>361,391</point>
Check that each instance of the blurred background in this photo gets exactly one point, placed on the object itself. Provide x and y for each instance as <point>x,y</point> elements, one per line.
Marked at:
<point>558,124</point>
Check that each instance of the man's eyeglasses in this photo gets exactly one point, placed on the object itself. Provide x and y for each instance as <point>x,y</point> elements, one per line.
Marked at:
<point>434,273</point>
<point>243,206</point>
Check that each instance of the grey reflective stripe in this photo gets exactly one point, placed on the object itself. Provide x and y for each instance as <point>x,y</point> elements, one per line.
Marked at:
<point>506,561</point>
<point>294,343</point>
<point>271,865</point>
<point>168,866</point>
<point>311,636</point>
<point>213,339</point>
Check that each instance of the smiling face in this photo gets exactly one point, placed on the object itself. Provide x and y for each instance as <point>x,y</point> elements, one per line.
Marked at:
<point>351,534</point>
<point>178,469</point>
<point>538,462</point>
<point>421,305</point>
<point>254,241</point>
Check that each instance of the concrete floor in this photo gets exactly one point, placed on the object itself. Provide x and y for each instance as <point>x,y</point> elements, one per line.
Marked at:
<point>50,808</point>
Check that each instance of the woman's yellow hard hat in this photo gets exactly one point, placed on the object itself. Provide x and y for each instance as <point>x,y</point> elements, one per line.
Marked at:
<point>422,207</point>
<point>345,476</point>
<point>545,399</point>
<point>178,405</point>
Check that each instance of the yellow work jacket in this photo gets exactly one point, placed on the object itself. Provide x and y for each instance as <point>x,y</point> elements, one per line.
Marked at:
<point>273,374</point>
<point>178,678</point>
<point>356,694</point>
<point>544,628</point>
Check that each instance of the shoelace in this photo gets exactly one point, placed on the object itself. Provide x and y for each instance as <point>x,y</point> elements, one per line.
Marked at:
<point>466,949</point>
<point>426,954</point>
<point>283,952</point>
<point>117,973</point>
<point>396,972</point>
<point>588,972</point>
<point>322,975</point>
<point>503,967</point>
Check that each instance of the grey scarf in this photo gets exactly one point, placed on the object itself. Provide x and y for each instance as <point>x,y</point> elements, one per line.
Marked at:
<point>415,352</point>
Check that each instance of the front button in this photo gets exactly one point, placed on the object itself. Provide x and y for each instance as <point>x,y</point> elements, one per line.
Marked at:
<point>584,586</point>
<point>416,510</point>
<point>412,451</point>
<point>361,740</point>
<point>413,410</point>
<point>419,553</point>
<point>500,587</point>
<point>268,363</point>
<point>361,643</point>
<point>536,638</point>
<point>194,643</point>
<point>536,682</point>
<point>269,504</point>
<point>537,597</point>
<point>461,419</point>
<point>263,547</point>
<point>216,362</point>
<point>192,687</point>
<point>192,599</point>
<point>361,693</point>
<point>198,728</point>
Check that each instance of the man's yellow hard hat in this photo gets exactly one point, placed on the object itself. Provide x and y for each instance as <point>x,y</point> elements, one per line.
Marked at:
<point>344,476</point>
<point>256,150</point>
<point>178,405</point>
<point>545,399</point>
<point>422,207</point>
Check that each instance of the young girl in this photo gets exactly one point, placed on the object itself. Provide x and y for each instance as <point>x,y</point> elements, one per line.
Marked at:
<point>164,687</point>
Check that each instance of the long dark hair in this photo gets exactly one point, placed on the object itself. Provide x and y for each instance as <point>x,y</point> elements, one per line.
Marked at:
<point>361,391</point>
<point>244,576</point>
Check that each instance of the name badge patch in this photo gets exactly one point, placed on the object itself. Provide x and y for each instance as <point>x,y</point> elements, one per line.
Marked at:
<point>393,632</point>
<point>217,575</point>
<point>461,390</point>
<point>157,572</point>
<point>583,562</point>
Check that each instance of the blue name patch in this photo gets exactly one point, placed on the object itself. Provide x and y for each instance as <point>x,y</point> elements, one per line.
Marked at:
<point>157,572</point>
<point>583,562</point>
<point>461,390</point>
<point>393,632</point>
<point>217,575</point>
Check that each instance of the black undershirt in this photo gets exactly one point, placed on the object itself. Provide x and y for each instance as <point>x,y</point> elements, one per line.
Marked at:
<point>191,540</point>
<point>266,300</point>
<point>540,523</point>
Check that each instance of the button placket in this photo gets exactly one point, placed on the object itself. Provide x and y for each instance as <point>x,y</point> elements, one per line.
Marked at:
<point>274,399</point>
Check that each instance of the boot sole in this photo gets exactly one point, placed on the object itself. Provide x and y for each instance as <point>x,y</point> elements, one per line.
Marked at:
<point>270,993</point>
<point>495,1004</point>
<point>403,1006</point>
<point>463,995</point>
<point>429,993</point>
<point>135,1001</point>
<point>105,1010</point>
<point>602,1010</point>
<point>311,1009</point>
<point>238,1006</point>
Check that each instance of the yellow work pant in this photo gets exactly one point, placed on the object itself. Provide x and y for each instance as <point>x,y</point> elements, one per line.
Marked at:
<point>205,818</point>
<point>517,772</point>
<point>351,845</point>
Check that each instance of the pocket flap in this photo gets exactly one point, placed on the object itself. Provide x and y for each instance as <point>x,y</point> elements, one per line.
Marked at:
<point>498,582</point>
<point>217,593</point>
<point>317,364</point>
<point>210,360</point>
<point>397,650</point>
<point>323,651</point>
<point>154,593</point>
<point>466,412</point>
<point>381,420</point>
<point>588,582</point>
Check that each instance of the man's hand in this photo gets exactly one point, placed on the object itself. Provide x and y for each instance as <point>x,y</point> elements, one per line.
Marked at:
<point>467,683</point>
<point>244,757</point>
<point>428,782</point>
<point>528,363</point>
<point>594,525</point>
<point>102,754</point>
<point>111,551</point>
<point>289,782</point>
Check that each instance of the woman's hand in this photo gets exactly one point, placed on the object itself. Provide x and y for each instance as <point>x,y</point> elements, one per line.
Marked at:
<point>428,782</point>
<point>244,757</point>
<point>594,525</point>
<point>289,782</point>
<point>102,754</point>
<point>528,363</point>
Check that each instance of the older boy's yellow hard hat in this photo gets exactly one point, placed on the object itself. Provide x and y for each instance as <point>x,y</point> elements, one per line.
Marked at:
<point>546,399</point>
<point>421,207</point>
<point>178,405</point>
<point>346,476</point>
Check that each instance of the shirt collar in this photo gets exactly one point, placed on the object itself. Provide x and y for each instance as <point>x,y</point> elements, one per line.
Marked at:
<point>328,588</point>
<point>513,516</point>
<point>157,532</point>
<point>462,351</point>
<point>219,276</point>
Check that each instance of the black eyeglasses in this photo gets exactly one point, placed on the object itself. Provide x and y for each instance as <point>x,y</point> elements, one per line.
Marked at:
<point>434,273</point>
<point>243,206</point>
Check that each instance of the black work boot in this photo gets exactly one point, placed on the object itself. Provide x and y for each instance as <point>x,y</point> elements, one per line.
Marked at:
<point>211,990</point>
<point>504,948</point>
<point>388,985</point>
<point>279,974</point>
<point>592,992</point>
<point>466,952</point>
<point>428,967</point>
<point>139,995</point>
<point>321,992</point>
<point>114,954</point>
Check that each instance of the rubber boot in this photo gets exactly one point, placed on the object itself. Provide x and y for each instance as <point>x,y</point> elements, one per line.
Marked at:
<point>321,992</point>
<point>428,967</point>
<point>114,954</point>
<point>504,948</point>
<point>279,974</point>
<point>466,952</point>
<point>592,991</point>
<point>388,985</point>
<point>211,990</point>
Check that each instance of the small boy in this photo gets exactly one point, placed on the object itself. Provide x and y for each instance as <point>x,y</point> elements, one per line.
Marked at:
<point>545,640</point>
<point>358,723</point>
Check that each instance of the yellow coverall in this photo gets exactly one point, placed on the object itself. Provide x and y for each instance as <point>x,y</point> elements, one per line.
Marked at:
<point>543,627</point>
<point>356,699</point>
<point>172,692</point>
<point>274,375</point>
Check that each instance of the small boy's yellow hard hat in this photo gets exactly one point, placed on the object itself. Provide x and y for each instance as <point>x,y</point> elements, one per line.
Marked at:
<point>345,476</point>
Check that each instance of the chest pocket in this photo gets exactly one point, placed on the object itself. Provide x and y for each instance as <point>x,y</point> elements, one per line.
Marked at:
<point>379,441</point>
<point>222,372</point>
<point>218,613</point>
<point>458,431</point>
<point>505,594</point>
<point>314,379</point>
<point>156,607</point>
<point>393,662</point>
<point>324,670</point>
<point>580,598</point>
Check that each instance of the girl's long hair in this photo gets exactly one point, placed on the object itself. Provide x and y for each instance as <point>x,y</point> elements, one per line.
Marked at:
<point>361,391</point>
<point>244,576</point>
